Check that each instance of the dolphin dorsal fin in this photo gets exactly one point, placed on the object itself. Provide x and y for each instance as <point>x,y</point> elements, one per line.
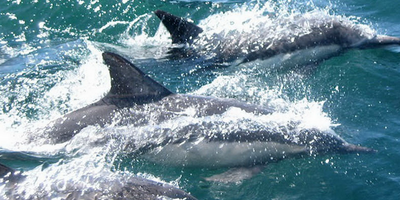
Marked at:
<point>129,82</point>
<point>181,30</point>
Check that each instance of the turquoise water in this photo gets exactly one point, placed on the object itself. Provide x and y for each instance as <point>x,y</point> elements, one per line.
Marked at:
<point>50,64</point>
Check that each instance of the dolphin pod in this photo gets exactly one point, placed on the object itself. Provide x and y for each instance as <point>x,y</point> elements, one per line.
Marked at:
<point>209,143</point>
<point>134,95</point>
<point>324,40</point>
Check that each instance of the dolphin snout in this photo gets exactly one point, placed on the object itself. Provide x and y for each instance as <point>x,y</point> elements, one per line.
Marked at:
<point>351,148</point>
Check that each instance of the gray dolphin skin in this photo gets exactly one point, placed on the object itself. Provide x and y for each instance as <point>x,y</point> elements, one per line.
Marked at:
<point>137,100</point>
<point>4,170</point>
<point>323,41</point>
<point>133,188</point>
<point>136,188</point>
<point>8,175</point>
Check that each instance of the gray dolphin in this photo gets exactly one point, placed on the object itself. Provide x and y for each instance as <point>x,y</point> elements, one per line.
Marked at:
<point>137,100</point>
<point>133,188</point>
<point>323,41</point>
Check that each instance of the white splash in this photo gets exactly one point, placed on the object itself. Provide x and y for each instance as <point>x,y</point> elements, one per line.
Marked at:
<point>75,89</point>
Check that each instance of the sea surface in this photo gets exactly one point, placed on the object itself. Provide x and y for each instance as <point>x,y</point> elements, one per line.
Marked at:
<point>51,64</point>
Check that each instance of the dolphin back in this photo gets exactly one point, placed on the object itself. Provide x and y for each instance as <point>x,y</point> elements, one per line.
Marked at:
<point>136,188</point>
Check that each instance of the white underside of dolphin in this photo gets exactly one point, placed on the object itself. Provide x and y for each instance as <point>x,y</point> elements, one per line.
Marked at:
<point>223,154</point>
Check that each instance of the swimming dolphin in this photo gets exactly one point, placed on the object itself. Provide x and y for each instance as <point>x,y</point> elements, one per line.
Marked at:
<point>137,100</point>
<point>324,39</point>
<point>133,188</point>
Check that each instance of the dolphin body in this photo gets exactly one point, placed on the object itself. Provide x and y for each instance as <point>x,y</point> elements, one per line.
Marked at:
<point>322,41</point>
<point>134,188</point>
<point>137,100</point>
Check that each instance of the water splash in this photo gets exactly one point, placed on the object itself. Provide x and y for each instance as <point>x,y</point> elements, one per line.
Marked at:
<point>85,176</point>
<point>49,88</point>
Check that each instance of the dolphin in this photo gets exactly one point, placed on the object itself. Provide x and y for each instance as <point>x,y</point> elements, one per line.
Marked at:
<point>137,100</point>
<point>133,188</point>
<point>323,40</point>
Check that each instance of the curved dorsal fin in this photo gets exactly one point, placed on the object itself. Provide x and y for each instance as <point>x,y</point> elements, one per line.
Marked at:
<point>181,30</point>
<point>130,83</point>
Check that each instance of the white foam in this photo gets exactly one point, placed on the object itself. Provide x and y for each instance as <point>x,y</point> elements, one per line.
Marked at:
<point>77,88</point>
<point>262,25</point>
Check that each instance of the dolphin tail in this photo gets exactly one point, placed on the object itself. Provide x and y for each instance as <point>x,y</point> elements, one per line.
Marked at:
<point>181,30</point>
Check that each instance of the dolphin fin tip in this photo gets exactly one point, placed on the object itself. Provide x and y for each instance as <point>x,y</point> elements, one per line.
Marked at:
<point>181,30</point>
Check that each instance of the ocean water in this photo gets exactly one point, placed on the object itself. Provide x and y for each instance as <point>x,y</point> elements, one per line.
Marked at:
<point>50,64</point>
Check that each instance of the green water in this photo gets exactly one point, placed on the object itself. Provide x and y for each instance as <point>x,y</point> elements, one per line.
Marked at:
<point>50,65</point>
